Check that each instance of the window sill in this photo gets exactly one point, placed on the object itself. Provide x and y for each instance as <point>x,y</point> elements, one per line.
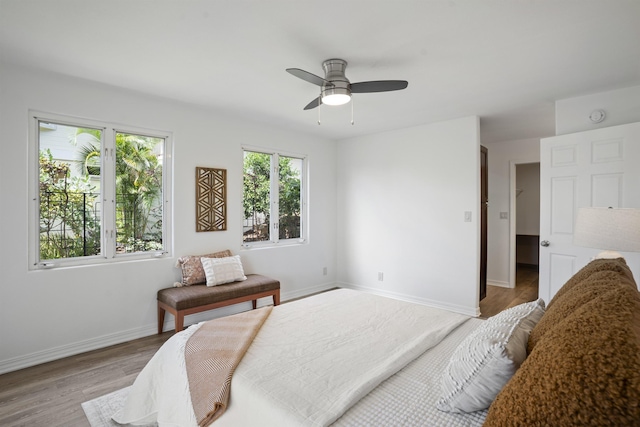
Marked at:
<point>271,245</point>
<point>95,261</point>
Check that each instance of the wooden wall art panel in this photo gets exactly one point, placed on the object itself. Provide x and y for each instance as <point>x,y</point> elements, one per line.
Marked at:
<point>211,199</point>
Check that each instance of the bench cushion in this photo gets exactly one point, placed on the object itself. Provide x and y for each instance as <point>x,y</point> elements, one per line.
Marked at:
<point>198,295</point>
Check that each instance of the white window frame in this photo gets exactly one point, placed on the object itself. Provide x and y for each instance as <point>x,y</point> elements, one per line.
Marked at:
<point>274,196</point>
<point>107,192</point>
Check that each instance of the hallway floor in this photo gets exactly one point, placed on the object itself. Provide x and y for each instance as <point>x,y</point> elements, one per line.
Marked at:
<point>499,298</point>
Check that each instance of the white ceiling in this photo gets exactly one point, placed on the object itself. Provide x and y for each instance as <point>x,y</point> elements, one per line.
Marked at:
<point>505,61</point>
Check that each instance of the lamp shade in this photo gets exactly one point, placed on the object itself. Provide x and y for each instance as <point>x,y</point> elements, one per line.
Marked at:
<point>613,229</point>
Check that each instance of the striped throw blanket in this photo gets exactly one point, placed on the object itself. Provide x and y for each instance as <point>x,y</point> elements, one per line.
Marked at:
<point>212,354</point>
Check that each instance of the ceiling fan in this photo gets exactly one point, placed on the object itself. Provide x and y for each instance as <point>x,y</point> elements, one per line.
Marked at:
<point>335,86</point>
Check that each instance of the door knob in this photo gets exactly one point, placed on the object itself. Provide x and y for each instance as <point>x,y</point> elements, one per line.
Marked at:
<point>544,243</point>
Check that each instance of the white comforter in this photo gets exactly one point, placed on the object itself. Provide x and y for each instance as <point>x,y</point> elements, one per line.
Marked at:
<point>311,361</point>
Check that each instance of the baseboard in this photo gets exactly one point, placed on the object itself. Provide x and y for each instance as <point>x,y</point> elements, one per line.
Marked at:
<point>48,355</point>
<point>410,298</point>
<point>301,293</point>
<point>498,283</point>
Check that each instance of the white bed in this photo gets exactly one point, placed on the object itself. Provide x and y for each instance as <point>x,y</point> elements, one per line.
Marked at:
<point>342,358</point>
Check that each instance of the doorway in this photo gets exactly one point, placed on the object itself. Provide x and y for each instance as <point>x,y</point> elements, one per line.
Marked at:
<point>525,226</point>
<point>484,204</point>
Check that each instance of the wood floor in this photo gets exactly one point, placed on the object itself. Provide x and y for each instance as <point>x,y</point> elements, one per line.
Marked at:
<point>50,394</point>
<point>498,298</point>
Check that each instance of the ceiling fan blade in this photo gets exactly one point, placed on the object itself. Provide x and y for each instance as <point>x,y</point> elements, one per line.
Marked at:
<point>307,76</point>
<point>313,104</point>
<point>378,86</point>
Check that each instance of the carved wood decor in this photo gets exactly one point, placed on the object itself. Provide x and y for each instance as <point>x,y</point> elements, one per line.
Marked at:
<point>211,199</point>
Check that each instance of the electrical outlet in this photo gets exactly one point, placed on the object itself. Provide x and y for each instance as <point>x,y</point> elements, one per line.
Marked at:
<point>380,276</point>
<point>504,215</point>
<point>324,271</point>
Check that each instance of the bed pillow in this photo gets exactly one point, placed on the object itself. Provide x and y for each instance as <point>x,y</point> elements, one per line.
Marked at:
<point>598,283</point>
<point>223,270</point>
<point>618,265</point>
<point>584,372</point>
<point>191,266</point>
<point>484,362</point>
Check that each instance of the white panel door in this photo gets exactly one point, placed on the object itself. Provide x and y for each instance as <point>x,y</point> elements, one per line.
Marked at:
<point>598,168</point>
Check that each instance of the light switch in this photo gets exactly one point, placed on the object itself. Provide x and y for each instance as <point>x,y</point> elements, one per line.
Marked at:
<point>467,216</point>
<point>504,215</point>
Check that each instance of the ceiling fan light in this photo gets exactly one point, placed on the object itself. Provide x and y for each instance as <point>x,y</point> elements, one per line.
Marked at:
<point>336,99</point>
<point>337,94</point>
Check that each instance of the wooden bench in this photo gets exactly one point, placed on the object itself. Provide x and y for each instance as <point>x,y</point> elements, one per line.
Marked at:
<point>197,298</point>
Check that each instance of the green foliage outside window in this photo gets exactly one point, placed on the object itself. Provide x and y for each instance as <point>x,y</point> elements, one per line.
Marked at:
<point>69,223</point>
<point>289,200</point>
<point>138,189</point>
<point>256,200</point>
<point>69,215</point>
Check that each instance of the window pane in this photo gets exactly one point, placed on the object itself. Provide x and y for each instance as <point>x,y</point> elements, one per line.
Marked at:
<point>256,199</point>
<point>289,197</point>
<point>138,193</point>
<point>69,185</point>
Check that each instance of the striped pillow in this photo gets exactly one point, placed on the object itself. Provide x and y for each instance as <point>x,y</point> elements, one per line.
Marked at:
<point>223,270</point>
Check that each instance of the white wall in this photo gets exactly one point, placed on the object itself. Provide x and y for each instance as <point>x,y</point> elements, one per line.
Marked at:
<point>503,156</point>
<point>528,199</point>
<point>621,106</point>
<point>54,313</point>
<point>401,202</point>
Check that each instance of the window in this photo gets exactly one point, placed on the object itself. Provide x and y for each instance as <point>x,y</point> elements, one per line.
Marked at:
<point>100,192</point>
<point>273,200</point>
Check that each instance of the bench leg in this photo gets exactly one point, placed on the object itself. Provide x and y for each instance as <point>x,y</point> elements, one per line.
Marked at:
<point>276,299</point>
<point>160,319</point>
<point>179,321</point>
